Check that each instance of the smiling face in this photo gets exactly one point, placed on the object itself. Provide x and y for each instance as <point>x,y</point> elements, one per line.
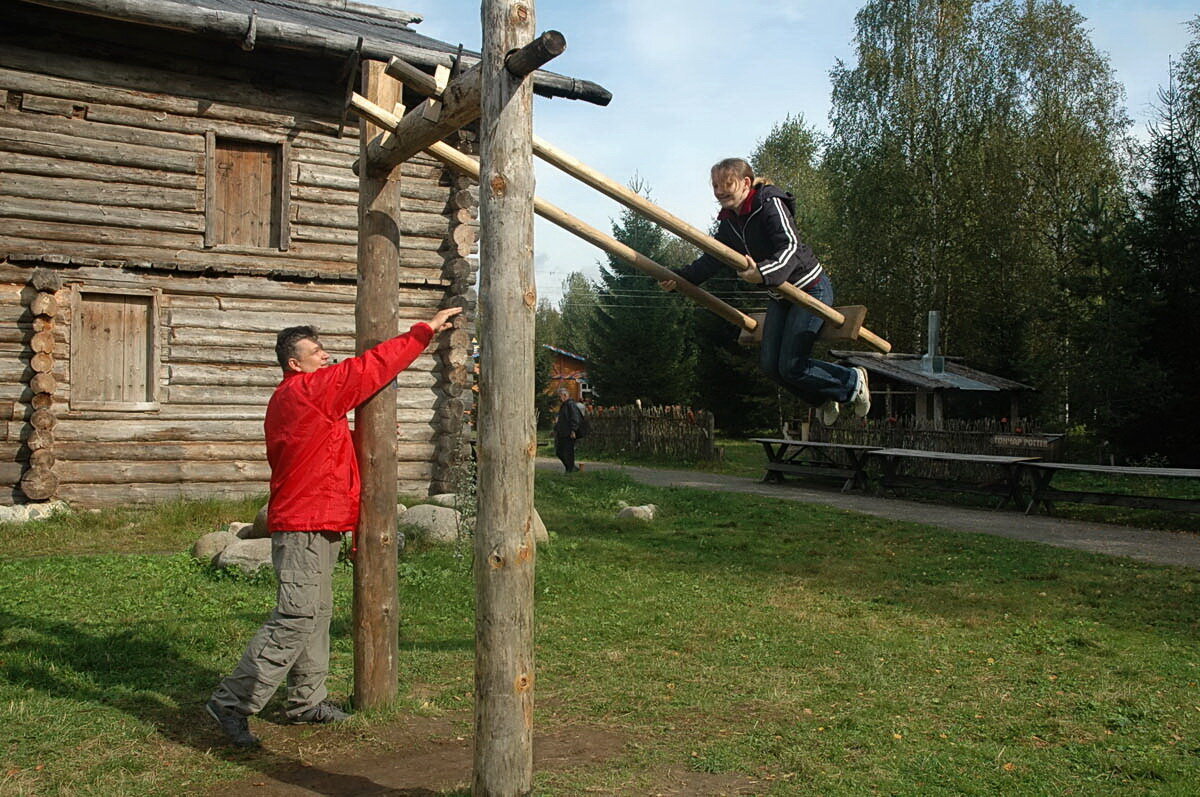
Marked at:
<point>730,191</point>
<point>309,357</point>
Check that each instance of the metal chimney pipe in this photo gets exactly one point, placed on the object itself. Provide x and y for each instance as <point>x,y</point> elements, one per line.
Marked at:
<point>935,330</point>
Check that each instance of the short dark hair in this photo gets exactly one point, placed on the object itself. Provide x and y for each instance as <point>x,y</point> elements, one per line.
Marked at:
<point>285,342</point>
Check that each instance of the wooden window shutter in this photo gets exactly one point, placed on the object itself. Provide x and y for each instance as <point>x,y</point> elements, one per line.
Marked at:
<point>246,193</point>
<point>114,350</point>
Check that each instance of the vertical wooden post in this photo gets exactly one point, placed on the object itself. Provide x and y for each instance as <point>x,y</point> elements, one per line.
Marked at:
<point>504,544</point>
<point>376,318</point>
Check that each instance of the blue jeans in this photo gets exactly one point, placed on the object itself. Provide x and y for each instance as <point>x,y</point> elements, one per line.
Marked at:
<point>788,337</point>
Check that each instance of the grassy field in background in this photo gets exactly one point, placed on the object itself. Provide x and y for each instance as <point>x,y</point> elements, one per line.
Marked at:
<point>786,643</point>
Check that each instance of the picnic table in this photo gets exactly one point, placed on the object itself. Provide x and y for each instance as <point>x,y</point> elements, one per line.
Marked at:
<point>1006,485</point>
<point>1042,474</point>
<point>811,458</point>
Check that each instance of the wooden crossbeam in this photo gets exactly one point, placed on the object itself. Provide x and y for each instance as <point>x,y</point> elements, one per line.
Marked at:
<point>447,107</point>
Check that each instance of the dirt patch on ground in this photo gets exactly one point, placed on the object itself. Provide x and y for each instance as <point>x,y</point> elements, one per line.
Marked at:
<point>414,756</point>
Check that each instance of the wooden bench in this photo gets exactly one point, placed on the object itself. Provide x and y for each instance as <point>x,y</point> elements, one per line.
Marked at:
<point>1006,486</point>
<point>809,458</point>
<point>1042,473</point>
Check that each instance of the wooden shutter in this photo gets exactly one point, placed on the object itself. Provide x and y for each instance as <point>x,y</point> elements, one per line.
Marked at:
<point>246,199</point>
<point>114,350</point>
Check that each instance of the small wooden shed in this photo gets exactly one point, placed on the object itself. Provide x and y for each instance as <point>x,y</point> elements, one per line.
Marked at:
<point>568,371</point>
<point>175,187</point>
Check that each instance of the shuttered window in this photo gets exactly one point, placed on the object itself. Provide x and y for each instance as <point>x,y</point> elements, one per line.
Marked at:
<point>246,194</point>
<point>114,350</point>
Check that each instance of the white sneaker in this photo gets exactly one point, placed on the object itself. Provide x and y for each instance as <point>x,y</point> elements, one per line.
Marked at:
<point>860,402</point>
<point>828,412</point>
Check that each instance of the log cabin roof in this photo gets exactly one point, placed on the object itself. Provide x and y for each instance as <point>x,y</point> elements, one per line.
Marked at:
<point>324,27</point>
<point>907,369</point>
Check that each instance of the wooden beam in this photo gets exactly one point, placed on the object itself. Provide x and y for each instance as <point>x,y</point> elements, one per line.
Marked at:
<point>704,242</point>
<point>450,108</point>
<point>376,596</point>
<point>507,438</point>
<point>467,165</point>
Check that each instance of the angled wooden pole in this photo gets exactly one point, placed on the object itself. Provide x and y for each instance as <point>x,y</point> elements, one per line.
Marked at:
<point>704,242</point>
<point>376,318</point>
<point>507,442</point>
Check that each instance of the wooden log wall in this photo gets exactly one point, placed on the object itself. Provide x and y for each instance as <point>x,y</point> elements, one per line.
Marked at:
<point>103,181</point>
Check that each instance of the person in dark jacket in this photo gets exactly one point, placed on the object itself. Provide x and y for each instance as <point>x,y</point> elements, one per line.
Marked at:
<point>314,501</point>
<point>758,220</point>
<point>566,430</point>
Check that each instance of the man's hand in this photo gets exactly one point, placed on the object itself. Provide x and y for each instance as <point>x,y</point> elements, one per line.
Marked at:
<point>667,285</point>
<point>750,273</point>
<point>441,320</point>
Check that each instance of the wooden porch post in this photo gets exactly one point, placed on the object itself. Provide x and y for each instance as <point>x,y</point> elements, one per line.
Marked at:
<point>504,545</point>
<point>376,318</point>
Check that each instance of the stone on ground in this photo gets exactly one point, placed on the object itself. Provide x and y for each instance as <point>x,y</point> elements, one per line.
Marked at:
<point>247,555</point>
<point>436,524</point>
<point>445,499</point>
<point>540,535</point>
<point>645,512</point>
<point>258,530</point>
<point>210,545</point>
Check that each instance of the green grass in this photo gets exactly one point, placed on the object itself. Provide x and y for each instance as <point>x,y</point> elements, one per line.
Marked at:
<point>786,643</point>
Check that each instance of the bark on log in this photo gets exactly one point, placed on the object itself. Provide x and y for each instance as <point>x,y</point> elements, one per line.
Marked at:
<point>42,458</point>
<point>376,590</point>
<point>42,362</point>
<point>42,279</point>
<point>42,343</point>
<point>504,545</point>
<point>44,304</point>
<point>43,383</point>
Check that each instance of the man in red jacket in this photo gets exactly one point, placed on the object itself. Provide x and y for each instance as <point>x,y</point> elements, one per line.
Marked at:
<point>314,500</point>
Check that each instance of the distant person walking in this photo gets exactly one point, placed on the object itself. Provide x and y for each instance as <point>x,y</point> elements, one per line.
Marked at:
<point>757,219</point>
<point>314,501</point>
<point>566,430</point>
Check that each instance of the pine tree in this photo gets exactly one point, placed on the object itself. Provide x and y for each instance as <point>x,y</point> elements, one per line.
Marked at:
<point>640,341</point>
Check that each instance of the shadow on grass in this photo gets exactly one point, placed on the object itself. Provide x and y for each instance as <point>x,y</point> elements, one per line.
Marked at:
<point>141,672</point>
<point>921,569</point>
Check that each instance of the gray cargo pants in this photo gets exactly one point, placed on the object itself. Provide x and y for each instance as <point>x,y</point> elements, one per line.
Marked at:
<point>294,641</point>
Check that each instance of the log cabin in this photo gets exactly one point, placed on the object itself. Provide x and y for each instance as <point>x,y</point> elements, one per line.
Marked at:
<point>175,187</point>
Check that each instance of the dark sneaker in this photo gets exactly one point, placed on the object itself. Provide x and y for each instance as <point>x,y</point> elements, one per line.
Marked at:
<point>321,714</point>
<point>235,725</point>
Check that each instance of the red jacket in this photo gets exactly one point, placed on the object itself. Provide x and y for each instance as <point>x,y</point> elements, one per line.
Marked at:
<point>314,473</point>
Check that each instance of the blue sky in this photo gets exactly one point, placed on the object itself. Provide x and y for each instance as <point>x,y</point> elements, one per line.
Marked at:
<point>694,81</point>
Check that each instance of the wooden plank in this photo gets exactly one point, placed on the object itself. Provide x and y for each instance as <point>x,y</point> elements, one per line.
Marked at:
<point>113,472</point>
<point>86,496</point>
<point>232,290</point>
<point>419,374</point>
<point>117,429</point>
<point>88,130</point>
<point>92,192</point>
<point>81,78</point>
<point>33,103</point>
<point>132,452</point>
<point>210,190</point>
<point>116,153</point>
<point>48,166</point>
<point>283,191</point>
<point>244,188</point>
<point>101,215</point>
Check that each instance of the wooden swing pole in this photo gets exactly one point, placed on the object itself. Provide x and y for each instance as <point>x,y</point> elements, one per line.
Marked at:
<point>706,243</point>
<point>469,166</point>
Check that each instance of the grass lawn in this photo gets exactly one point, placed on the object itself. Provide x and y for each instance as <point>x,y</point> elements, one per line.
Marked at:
<point>802,649</point>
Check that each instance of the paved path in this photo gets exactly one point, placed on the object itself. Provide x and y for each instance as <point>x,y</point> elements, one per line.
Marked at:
<point>1157,547</point>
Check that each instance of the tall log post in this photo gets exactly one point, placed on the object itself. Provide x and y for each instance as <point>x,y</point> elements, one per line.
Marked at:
<point>376,318</point>
<point>504,544</point>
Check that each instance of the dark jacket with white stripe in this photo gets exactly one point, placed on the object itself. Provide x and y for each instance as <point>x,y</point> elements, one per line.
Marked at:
<point>764,227</point>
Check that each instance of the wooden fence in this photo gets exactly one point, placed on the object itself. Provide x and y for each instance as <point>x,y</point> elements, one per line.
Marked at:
<point>673,431</point>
